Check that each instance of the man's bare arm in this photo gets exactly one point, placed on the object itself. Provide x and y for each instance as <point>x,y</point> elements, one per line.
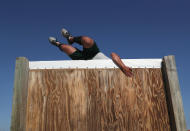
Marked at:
<point>117,60</point>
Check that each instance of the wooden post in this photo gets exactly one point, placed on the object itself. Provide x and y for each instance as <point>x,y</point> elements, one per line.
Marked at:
<point>174,99</point>
<point>18,118</point>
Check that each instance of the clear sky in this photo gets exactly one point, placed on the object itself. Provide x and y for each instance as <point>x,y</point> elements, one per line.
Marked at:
<point>131,28</point>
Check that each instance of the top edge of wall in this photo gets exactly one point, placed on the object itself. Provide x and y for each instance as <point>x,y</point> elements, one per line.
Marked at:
<point>93,64</point>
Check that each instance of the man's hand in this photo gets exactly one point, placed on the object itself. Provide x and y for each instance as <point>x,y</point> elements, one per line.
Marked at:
<point>126,70</point>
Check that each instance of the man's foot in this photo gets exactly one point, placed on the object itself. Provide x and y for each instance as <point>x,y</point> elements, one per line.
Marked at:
<point>54,41</point>
<point>67,35</point>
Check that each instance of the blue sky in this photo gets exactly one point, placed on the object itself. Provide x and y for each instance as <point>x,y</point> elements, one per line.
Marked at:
<point>131,28</point>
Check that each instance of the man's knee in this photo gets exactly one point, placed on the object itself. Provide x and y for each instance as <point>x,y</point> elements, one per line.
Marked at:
<point>87,40</point>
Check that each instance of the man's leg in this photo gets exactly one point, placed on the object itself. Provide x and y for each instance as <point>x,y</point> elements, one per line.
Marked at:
<point>85,41</point>
<point>90,48</point>
<point>68,49</point>
<point>72,52</point>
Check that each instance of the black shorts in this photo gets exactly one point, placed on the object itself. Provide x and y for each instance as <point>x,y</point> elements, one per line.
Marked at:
<point>86,54</point>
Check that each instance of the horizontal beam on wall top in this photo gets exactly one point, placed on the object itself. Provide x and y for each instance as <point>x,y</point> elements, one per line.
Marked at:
<point>91,64</point>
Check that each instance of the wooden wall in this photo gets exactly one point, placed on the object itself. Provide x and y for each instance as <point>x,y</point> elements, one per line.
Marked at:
<point>95,100</point>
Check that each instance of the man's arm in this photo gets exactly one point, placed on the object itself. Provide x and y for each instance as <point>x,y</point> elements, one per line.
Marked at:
<point>117,60</point>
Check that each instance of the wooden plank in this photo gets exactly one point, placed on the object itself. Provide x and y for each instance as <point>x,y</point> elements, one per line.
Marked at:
<point>95,100</point>
<point>174,99</point>
<point>18,118</point>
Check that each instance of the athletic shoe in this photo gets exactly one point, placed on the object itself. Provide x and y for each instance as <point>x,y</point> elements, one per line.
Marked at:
<point>67,35</point>
<point>53,41</point>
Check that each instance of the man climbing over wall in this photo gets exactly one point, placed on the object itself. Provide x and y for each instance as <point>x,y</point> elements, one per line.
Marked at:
<point>90,50</point>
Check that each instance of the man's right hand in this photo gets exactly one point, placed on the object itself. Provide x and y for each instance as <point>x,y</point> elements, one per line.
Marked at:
<point>125,69</point>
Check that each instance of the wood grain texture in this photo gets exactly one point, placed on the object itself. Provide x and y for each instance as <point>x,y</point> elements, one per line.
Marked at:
<point>174,99</point>
<point>96,100</point>
<point>18,118</point>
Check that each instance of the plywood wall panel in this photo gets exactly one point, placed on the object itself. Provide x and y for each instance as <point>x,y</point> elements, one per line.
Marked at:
<point>96,99</point>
